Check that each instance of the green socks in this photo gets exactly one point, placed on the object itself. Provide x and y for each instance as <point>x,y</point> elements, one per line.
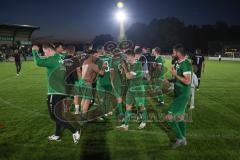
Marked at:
<point>128,115</point>
<point>144,115</point>
<point>176,129</point>
<point>182,126</point>
<point>120,108</point>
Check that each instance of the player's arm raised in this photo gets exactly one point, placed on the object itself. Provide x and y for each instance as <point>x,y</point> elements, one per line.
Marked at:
<point>41,62</point>
<point>186,79</point>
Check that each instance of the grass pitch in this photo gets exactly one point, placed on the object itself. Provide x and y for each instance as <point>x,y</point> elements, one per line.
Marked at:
<point>213,134</point>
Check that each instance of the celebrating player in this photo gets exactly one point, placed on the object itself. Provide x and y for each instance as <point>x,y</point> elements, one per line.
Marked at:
<point>72,65</point>
<point>117,81</point>
<point>175,115</point>
<point>158,73</point>
<point>89,73</point>
<point>135,93</point>
<point>198,62</point>
<point>53,61</point>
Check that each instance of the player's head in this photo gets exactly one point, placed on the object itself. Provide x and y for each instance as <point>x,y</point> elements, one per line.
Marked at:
<point>156,51</point>
<point>138,52</point>
<point>116,52</point>
<point>179,51</point>
<point>93,54</point>
<point>130,56</point>
<point>48,49</point>
<point>71,50</point>
<point>198,51</point>
<point>100,50</point>
<point>88,46</point>
<point>59,47</point>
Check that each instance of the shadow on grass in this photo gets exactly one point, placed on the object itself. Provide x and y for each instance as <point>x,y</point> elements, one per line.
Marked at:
<point>93,142</point>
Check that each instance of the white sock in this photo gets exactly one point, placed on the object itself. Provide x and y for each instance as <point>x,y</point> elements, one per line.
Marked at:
<point>77,107</point>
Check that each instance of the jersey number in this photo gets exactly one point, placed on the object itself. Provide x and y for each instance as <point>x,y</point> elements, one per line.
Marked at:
<point>108,68</point>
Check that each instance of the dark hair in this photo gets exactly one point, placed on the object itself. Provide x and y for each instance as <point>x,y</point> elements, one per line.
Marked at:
<point>138,51</point>
<point>91,52</point>
<point>48,45</point>
<point>180,48</point>
<point>130,52</point>
<point>58,44</point>
<point>157,49</point>
<point>198,50</point>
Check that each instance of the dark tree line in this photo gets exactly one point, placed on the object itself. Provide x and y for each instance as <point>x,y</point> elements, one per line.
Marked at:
<point>169,31</point>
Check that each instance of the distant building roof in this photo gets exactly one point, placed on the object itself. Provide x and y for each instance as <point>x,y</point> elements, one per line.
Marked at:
<point>18,26</point>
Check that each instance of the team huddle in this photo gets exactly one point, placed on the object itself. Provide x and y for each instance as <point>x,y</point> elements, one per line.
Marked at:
<point>117,77</point>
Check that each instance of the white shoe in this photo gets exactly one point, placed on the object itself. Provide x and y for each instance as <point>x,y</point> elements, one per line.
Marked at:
<point>76,112</point>
<point>54,138</point>
<point>184,141</point>
<point>76,137</point>
<point>179,142</point>
<point>108,114</point>
<point>142,125</point>
<point>192,107</point>
<point>123,127</point>
<point>101,119</point>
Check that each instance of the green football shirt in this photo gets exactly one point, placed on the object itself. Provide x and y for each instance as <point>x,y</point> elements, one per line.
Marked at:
<point>104,80</point>
<point>55,72</point>
<point>183,67</point>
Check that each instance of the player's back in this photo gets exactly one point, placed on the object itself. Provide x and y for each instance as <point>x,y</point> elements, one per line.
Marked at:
<point>105,79</point>
<point>198,59</point>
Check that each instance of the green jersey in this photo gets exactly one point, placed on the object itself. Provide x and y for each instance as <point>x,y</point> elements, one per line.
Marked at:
<point>104,80</point>
<point>136,69</point>
<point>183,67</point>
<point>117,69</point>
<point>157,72</point>
<point>55,72</point>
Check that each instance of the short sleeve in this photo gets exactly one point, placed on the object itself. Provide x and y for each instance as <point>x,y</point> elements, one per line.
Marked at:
<point>187,68</point>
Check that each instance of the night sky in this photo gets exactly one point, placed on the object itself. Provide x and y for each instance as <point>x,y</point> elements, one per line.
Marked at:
<point>83,19</point>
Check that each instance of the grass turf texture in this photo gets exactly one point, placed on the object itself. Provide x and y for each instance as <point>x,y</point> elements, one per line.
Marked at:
<point>213,134</point>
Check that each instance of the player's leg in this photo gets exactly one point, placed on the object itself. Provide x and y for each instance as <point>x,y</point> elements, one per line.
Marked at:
<point>143,113</point>
<point>60,121</point>
<point>86,104</point>
<point>76,104</point>
<point>177,108</point>
<point>17,68</point>
<point>108,99</point>
<point>198,74</point>
<point>128,113</point>
<point>192,98</point>
<point>119,108</point>
<point>127,118</point>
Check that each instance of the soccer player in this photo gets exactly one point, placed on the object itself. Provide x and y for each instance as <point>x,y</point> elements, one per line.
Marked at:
<point>158,73</point>
<point>89,73</point>
<point>104,87</point>
<point>135,92</point>
<point>17,59</point>
<point>72,65</point>
<point>60,49</point>
<point>198,62</point>
<point>175,114</point>
<point>53,62</point>
<point>116,75</point>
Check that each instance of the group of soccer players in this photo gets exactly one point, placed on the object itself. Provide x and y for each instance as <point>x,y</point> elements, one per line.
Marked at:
<point>120,70</point>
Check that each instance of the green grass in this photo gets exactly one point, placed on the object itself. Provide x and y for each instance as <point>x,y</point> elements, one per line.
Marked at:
<point>213,134</point>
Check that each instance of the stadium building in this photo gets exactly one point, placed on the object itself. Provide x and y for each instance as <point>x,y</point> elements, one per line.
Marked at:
<point>13,35</point>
